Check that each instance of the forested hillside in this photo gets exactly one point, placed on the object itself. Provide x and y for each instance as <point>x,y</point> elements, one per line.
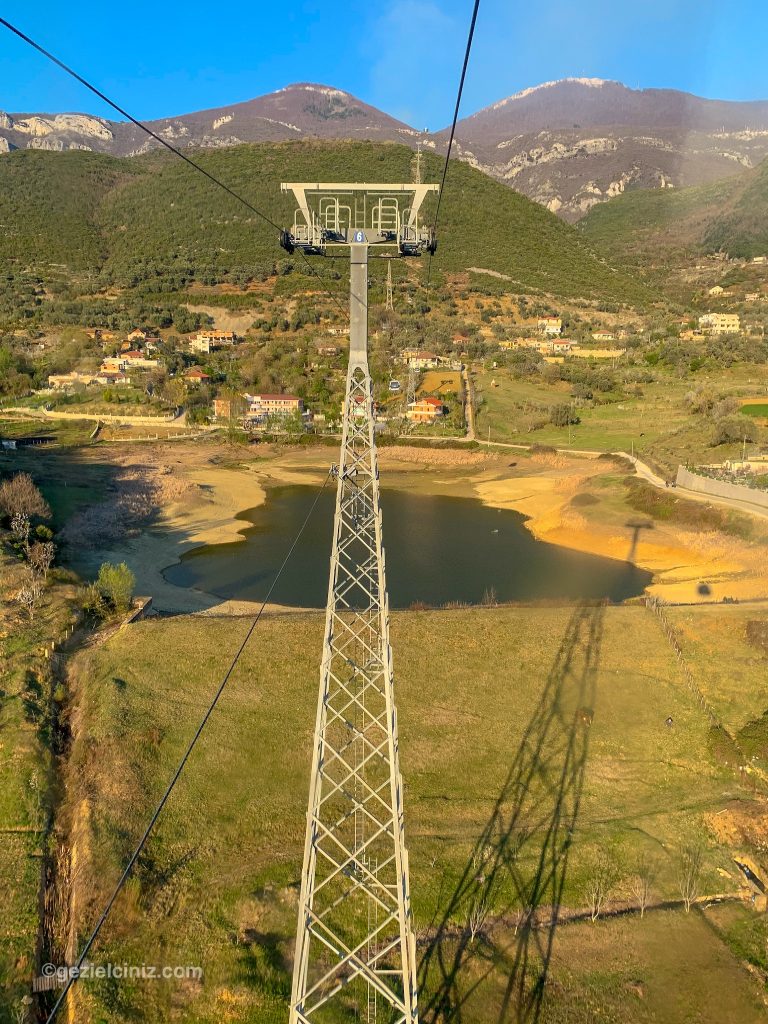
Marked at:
<point>153,219</point>
<point>729,216</point>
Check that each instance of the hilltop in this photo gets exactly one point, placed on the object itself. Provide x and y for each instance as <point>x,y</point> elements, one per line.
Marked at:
<point>576,143</point>
<point>303,110</point>
<point>645,227</point>
<point>100,215</point>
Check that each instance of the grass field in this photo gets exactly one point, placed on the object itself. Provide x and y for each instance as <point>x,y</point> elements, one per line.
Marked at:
<point>487,698</point>
<point>757,409</point>
<point>656,423</point>
<point>509,404</point>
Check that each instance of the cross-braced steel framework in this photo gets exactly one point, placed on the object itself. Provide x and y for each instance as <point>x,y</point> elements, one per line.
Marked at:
<point>355,955</point>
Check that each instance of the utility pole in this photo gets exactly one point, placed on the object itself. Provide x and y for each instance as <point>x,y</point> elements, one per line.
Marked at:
<point>390,304</point>
<point>355,949</point>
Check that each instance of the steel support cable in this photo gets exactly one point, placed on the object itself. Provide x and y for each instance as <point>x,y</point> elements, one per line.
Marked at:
<point>453,126</point>
<point>74,975</point>
<point>163,142</point>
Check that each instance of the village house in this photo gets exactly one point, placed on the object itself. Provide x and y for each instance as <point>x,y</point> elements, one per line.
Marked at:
<point>420,360</point>
<point>760,259</point>
<point>752,297</point>
<point>194,375</point>
<point>716,290</point>
<point>534,343</point>
<point>561,346</point>
<point>113,377</point>
<point>550,325</point>
<point>603,336</point>
<point>137,335</point>
<point>336,331</point>
<point>260,407</point>
<point>97,334</point>
<point>210,341</point>
<point>62,381</point>
<point>324,349</point>
<point>720,323</point>
<point>425,410</point>
<point>134,359</point>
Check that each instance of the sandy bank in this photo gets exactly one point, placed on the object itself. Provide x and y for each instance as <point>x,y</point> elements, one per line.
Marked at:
<point>687,566</point>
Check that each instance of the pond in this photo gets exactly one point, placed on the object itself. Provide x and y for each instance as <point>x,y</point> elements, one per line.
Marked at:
<point>439,549</point>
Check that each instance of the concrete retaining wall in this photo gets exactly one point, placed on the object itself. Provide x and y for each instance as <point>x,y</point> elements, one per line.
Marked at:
<point>720,488</point>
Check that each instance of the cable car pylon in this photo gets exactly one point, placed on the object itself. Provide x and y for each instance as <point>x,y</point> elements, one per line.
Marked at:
<point>355,951</point>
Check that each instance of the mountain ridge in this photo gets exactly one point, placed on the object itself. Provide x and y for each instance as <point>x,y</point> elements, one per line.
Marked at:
<point>568,144</point>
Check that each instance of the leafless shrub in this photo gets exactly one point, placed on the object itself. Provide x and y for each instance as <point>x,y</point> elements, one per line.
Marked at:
<point>641,882</point>
<point>20,496</point>
<point>603,875</point>
<point>479,909</point>
<point>20,527</point>
<point>29,595</point>
<point>40,558</point>
<point>689,868</point>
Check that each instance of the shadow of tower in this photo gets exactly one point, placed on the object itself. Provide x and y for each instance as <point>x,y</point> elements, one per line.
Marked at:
<point>517,869</point>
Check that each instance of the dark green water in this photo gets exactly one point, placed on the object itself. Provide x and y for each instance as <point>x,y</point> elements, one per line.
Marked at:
<point>438,548</point>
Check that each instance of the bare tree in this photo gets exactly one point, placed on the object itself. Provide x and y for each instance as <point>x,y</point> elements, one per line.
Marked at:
<point>601,879</point>
<point>480,908</point>
<point>20,527</point>
<point>642,880</point>
<point>19,495</point>
<point>29,595</point>
<point>689,867</point>
<point>40,558</point>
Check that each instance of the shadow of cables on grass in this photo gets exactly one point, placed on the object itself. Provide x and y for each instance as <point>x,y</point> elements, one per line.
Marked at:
<point>499,924</point>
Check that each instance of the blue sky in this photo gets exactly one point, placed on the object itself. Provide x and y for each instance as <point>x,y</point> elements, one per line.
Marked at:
<point>401,55</point>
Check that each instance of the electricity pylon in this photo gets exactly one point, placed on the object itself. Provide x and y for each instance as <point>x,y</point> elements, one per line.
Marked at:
<point>390,304</point>
<point>355,954</point>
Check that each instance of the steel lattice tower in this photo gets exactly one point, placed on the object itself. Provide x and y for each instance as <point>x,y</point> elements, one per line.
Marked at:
<point>355,954</point>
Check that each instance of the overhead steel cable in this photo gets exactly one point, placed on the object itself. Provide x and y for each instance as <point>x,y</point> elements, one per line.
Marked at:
<point>453,126</point>
<point>77,967</point>
<point>158,138</point>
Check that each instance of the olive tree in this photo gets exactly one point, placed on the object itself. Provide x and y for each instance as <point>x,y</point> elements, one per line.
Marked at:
<point>116,584</point>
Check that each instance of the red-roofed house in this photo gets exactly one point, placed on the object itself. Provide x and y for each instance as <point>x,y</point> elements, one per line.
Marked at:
<point>194,375</point>
<point>425,410</point>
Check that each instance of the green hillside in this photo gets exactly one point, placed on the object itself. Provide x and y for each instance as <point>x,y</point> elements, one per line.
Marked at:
<point>729,216</point>
<point>49,207</point>
<point>116,217</point>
